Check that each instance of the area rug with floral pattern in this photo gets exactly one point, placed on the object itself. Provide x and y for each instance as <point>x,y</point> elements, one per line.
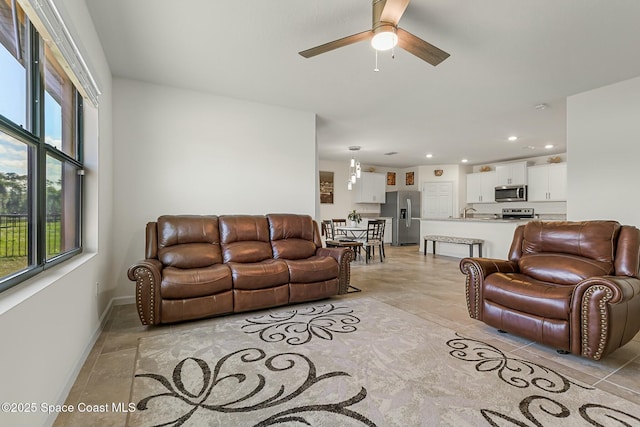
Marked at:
<point>351,362</point>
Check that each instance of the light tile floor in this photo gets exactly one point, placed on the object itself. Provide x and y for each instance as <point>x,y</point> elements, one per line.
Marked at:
<point>431,287</point>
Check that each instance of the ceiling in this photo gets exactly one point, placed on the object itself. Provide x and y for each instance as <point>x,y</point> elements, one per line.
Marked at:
<point>507,57</point>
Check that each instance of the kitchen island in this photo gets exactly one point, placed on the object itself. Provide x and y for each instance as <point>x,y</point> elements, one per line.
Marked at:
<point>496,233</point>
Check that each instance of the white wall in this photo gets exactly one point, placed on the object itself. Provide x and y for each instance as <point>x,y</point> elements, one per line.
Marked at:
<point>342,197</point>
<point>603,140</point>
<point>49,323</point>
<point>186,152</point>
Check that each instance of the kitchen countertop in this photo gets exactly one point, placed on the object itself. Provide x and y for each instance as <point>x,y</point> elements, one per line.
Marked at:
<point>492,220</point>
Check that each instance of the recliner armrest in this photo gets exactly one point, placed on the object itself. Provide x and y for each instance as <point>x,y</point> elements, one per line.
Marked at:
<point>344,256</point>
<point>476,269</point>
<point>487,266</point>
<point>148,275</point>
<point>623,288</point>
<point>605,312</point>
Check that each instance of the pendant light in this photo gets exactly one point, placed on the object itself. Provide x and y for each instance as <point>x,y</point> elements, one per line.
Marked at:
<point>355,171</point>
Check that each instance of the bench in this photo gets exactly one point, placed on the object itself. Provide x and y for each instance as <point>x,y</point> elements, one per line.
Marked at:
<point>451,239</point>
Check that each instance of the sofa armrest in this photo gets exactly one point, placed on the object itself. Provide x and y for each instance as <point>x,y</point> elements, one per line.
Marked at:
<point>605,314</point>
<point>476,269</point>
<point>148,275</point>
<point>344,256</point>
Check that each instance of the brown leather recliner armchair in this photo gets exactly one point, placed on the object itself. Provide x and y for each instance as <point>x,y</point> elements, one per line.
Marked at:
<point>574,286</point>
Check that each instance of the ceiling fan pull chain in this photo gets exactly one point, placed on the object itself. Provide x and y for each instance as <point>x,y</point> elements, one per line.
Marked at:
<point>393,48</point>
<point>376,69</point>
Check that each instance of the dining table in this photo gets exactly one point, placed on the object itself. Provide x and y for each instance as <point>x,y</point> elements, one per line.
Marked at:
<point>357,233</point>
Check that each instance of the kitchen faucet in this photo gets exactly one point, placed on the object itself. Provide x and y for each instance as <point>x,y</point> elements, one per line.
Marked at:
<point>466,210</point>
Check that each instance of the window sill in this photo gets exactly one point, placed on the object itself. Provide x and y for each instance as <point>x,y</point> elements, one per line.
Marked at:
<point>22,292</point>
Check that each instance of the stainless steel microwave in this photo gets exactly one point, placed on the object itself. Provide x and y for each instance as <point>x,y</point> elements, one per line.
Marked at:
<point>511,193</point>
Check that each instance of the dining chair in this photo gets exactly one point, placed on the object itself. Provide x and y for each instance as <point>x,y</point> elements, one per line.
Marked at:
<point>383,223</point>
<point>339,222</point>
<point>332,241</point>
<point>375,233</point>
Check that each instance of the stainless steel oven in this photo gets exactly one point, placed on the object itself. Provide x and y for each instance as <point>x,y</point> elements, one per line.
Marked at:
<point>511,193</point>
<point>522,213</point>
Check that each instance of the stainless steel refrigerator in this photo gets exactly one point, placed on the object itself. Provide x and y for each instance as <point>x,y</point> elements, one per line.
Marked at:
<point>404,209</point>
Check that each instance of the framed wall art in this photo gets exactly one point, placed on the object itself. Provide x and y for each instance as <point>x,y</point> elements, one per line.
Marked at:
<point>391,178</point>
<point>326,187</point>
<point>409,178</point>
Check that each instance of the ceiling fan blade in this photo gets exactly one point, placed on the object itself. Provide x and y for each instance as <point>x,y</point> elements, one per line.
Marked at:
<point>420,48</point>
<point>345,41</point>
<point>392,10</point>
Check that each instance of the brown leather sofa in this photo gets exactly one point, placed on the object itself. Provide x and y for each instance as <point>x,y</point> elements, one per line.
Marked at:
<point>202,266</point>
<point>574,286</point>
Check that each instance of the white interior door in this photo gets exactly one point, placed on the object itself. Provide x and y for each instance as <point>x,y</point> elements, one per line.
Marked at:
<point>437,199</point>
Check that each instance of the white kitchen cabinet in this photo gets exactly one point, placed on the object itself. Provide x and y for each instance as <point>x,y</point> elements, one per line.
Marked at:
<point>481,187</point>
<point>511,173</point>
<point>370,188</point>
<point>547,183</point>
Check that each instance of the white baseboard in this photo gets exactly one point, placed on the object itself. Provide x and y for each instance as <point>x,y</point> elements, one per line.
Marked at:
<point>131,299</point>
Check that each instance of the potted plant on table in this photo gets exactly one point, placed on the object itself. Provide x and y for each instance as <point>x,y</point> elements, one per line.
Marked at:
<point>354,217</point>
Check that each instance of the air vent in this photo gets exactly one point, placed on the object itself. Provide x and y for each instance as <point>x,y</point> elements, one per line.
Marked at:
<point>391,153</point>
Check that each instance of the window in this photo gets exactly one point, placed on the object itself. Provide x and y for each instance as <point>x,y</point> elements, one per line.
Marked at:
<point>13,71</point>
<point>40,153</point>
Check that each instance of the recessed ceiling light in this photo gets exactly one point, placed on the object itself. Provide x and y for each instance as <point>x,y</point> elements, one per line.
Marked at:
<point>513,138</point>
<point>541,107</point>
<point>429,156</point>
<point>548,146</point>
<point>464,160</point>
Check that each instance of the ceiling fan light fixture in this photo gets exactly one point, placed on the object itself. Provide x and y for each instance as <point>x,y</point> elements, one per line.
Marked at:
<point>385,38</point>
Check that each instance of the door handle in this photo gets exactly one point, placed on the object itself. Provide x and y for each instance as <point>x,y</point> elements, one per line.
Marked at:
<point>407,220</point>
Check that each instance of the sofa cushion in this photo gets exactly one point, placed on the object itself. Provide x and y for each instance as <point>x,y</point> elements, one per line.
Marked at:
<point>190,255</point>
<point>292,236</point>
<point>526,295</point>
<point>188,241</point>
<point>178,283</point>
<point>293,249</point>
<point>562,268</point>
<point>178,229</point>
<point>259,275</point>
<point>244,238</point>
<point>248,252</point>
<point>589,239</point>
<point>313,269</point>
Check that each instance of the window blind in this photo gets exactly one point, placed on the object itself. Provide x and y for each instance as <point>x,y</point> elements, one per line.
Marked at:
<point>46,18</point>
